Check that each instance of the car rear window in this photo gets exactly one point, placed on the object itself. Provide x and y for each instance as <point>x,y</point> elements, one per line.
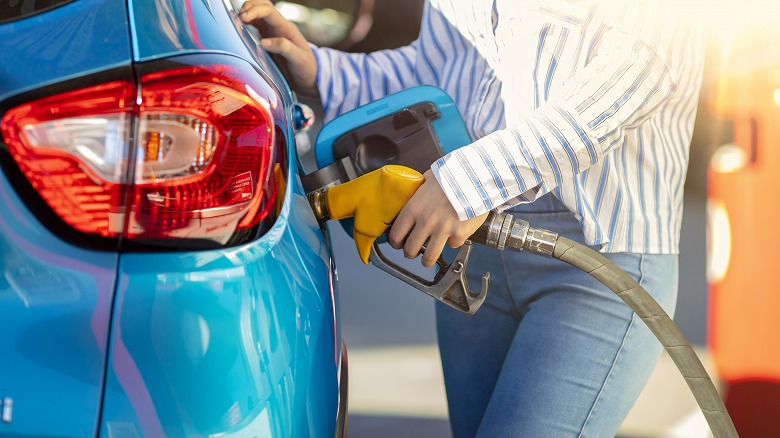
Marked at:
<point>11,10</point>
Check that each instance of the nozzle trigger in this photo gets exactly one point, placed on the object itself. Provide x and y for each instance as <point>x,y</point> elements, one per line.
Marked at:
<point>449,285</point>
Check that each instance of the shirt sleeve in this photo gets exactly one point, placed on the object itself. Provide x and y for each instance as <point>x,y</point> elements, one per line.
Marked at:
<point>634,72</point>
<point>349,80</point>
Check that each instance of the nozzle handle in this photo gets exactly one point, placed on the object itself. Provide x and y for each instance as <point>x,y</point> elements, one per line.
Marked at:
<point>374,199</point>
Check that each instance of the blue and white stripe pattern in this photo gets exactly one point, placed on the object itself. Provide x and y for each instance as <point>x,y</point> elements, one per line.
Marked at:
<point>593,100</point>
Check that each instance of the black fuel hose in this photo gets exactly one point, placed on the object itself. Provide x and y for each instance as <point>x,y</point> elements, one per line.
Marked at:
<point>658,321</point>
<point>502,230</point>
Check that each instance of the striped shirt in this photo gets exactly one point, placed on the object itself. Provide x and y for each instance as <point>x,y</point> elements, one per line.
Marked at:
<point>593,100</point>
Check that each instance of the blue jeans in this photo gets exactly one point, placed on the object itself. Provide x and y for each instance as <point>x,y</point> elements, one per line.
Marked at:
<point>552,352</point>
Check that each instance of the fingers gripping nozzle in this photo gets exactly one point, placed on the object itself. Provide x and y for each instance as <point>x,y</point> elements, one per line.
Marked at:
<point>374,200</point>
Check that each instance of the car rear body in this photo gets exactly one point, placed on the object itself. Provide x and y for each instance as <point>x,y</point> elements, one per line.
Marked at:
<point>202,329</point>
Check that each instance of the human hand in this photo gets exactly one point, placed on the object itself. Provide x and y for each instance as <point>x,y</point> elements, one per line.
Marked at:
<point>429,216</point>
<point>285,39</point>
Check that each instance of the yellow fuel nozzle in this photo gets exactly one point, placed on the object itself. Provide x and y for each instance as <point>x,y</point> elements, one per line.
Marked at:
<point>374,199</point>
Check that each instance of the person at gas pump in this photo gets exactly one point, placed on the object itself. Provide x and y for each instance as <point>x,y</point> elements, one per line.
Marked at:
<point>582,113</point>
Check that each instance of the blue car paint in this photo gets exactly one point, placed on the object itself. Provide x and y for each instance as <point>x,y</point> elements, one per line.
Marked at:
<point>187,26</point>
<point>267,307</point>
<point>239,340</point>
<point>213,342</point>
<point>67,42</point>
<point>55,305</point>
<point>55,298</point>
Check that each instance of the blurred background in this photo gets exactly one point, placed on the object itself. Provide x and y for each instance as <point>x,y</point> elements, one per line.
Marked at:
<point>727,303</point>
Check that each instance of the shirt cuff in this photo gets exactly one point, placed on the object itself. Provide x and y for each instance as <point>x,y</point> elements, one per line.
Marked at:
<point>322,77</point>
<point>448,182</point>
<point>481,177</point>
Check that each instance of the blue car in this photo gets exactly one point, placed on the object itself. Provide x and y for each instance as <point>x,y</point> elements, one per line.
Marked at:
<point>161,271</point>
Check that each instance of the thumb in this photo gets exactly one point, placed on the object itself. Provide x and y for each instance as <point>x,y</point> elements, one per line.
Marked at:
<point>280,45</point>
<point>303,66</point>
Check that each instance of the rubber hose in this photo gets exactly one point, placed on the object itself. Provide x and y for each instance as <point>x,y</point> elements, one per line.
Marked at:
<point>659,323</point>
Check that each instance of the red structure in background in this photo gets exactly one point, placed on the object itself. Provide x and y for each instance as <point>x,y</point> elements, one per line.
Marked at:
<point>744,232</point>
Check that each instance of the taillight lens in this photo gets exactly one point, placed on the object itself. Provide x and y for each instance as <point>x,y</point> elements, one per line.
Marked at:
<point>195,164</point>
<point>73,149</point>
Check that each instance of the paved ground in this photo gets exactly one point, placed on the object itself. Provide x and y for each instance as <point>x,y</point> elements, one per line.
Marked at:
<point>398,391</point>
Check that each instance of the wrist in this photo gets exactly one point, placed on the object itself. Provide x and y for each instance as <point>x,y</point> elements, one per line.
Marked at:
<point>441,179</point>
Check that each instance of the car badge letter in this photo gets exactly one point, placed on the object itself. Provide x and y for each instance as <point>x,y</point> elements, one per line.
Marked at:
<point>6,408</point>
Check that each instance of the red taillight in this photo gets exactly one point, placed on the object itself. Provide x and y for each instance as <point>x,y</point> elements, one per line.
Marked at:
<point>73,147</point>
<point>204,149</point>
<point>198,167</point>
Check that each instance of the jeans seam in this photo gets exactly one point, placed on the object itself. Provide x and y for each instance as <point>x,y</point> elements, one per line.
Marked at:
<point>617,355</point>
<point>509,288</point>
